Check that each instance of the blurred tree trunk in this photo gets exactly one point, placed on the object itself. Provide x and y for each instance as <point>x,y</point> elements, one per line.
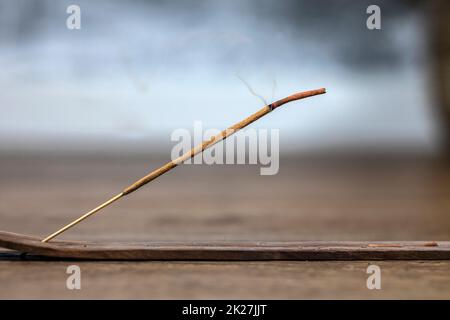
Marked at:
<point>439,18</point>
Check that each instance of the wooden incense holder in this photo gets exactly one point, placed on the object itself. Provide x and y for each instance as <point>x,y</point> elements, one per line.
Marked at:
<point>227,250</point>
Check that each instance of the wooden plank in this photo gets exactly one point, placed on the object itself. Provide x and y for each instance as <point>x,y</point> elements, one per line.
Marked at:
<point>229,250</point>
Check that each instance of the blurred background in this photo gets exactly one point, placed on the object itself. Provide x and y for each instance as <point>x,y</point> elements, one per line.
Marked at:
<point>86,112</point>
<point>136,71</point>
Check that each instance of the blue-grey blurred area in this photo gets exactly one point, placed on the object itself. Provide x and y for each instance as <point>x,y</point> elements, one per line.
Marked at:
<point>137,70</point>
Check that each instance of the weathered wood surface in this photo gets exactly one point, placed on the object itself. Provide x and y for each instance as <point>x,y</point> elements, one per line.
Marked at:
<point>309,199</point>
<point>230,250</point>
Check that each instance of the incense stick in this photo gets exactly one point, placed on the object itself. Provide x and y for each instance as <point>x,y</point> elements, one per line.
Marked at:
<point>190,154</point>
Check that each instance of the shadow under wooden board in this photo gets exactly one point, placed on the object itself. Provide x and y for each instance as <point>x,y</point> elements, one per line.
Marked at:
<point>229,250</point>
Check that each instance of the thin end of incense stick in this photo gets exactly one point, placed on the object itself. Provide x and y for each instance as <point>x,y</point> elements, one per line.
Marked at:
<point>85,216</point>
<point>190,154</point>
